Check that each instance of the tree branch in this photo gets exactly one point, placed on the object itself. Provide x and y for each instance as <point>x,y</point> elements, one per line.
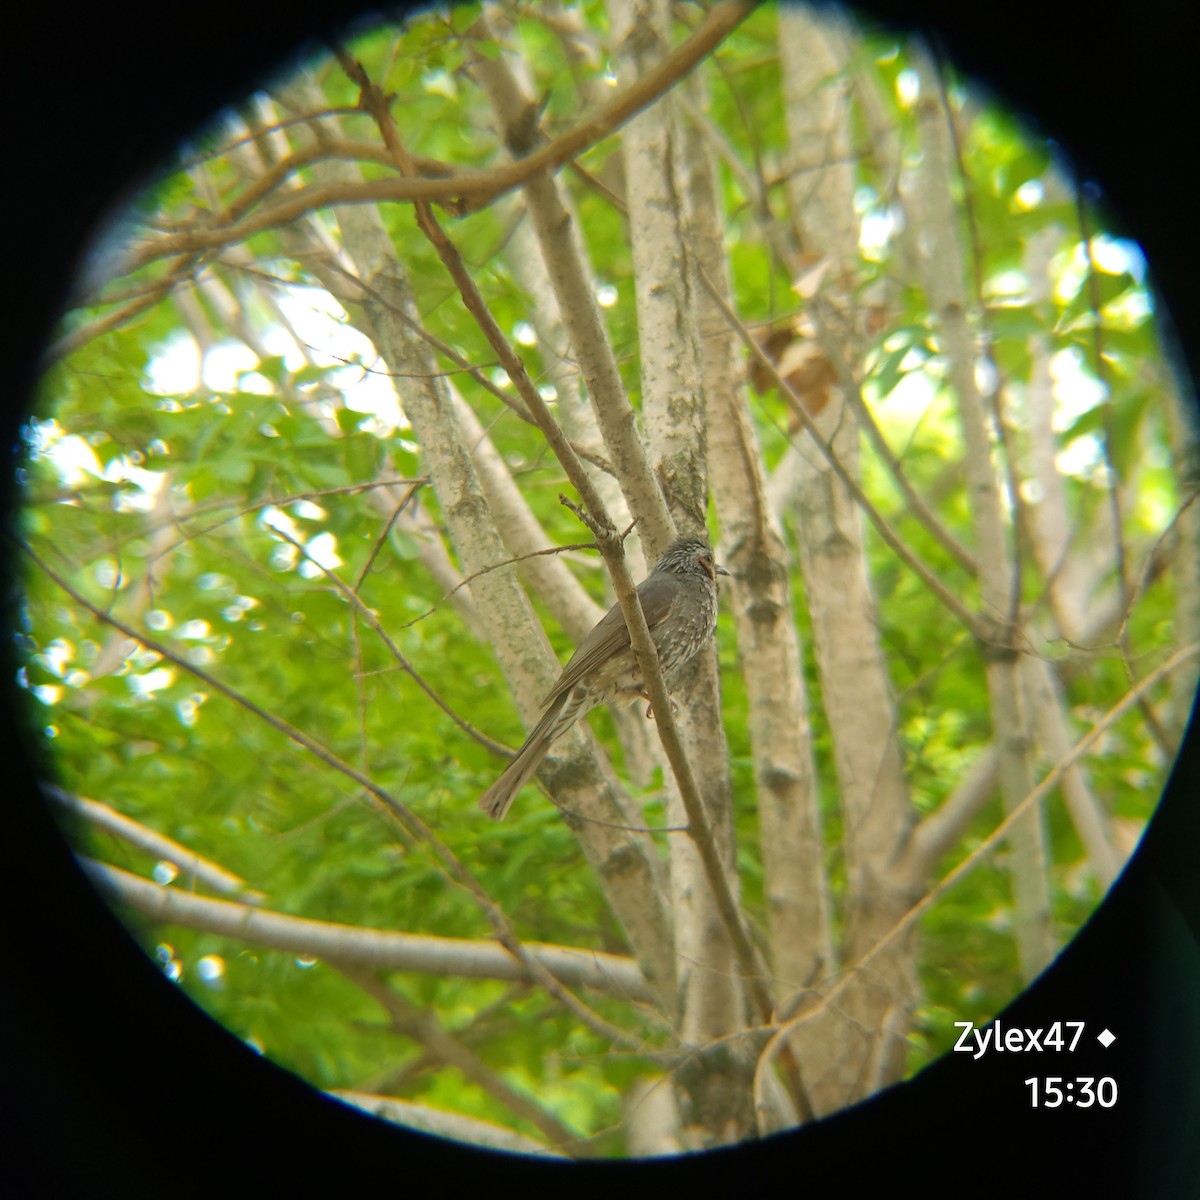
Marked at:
<point>465,958</point>
<point>408,820</point>
<point>1044,786</point>
<point>443,1124</point>
<point>423,1026</point>
<point>108,820</point>
<point>889,535</point>
<point>465,191</point>
<point>609,543</point>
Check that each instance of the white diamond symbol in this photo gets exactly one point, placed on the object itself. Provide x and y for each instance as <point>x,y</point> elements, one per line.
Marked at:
<point>1106,1039</point>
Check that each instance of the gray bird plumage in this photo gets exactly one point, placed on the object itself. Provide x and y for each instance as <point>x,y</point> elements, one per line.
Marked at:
<point>679,600</point>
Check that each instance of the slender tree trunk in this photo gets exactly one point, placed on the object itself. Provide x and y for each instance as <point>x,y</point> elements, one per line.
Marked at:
<point>789,812</point>
<point>625,861</point>
<point>855,688</point>
<point>570,278</point>
<point>715,1105</point>
<point>944,276</point>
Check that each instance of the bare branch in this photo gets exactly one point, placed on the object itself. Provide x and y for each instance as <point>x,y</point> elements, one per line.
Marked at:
<point>443,1124</point>
<point>108,820</point>
<point>943,827</point>
<point>377,949</point>
<point>609,542</point>
<point>462,192</point>
<point>423,1026</point>
<point>501,925</point>
<point>570,277</point>
<point>1048,782</point>
<point>889,535</point>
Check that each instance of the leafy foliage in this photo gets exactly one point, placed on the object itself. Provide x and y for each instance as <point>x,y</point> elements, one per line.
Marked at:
<point>177,508</point>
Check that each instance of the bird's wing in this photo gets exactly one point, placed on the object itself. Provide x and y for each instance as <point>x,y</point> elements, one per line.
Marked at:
<point>610,635</point>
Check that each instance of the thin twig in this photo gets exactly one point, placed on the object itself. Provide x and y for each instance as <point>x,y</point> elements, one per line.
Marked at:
<point>109,820</point>
<point>1016,504</point>
<point>271,502</point>
<point>502,927</point>
<point>475,372</point>
<point>383,536</point>
<point>608,541</point>
<point>852,391</point>
<point>1049,781</point>
<point>505,562</point>
<point>178,272</point>
<point>889,535</point>
<point>469,191</point>
<point>423,1026</point>
<point>1100,366</point>
<point>368,615</point>
<point>378,949</point>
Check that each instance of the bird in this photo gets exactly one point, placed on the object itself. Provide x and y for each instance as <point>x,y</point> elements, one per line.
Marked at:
<point>679,600</point>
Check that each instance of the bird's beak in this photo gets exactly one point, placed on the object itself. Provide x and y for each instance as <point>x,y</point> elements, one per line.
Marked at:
<point>720,570</point>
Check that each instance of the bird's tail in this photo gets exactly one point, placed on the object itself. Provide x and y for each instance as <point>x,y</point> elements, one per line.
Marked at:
<point>497,800</point>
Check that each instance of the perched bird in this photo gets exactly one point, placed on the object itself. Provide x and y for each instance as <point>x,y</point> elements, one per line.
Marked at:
<point>679,599</point>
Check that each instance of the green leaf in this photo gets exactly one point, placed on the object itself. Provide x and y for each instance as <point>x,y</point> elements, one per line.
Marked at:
<point>234,468</point>
<point>348,420</point>
<point>272,368</point>
<point>361,454</point>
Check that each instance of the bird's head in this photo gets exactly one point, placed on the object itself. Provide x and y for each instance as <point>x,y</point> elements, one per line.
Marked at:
<point>686,554</point>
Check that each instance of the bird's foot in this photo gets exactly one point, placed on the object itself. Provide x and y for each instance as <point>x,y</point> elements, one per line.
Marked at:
<point>650,708</point>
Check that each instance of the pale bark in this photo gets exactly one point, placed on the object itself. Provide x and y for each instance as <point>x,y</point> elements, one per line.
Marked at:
<point>621,858</point>
<point>859,1036</point>
<point>196,320</point>
<point>570,278</point>
<point>418,524</point>
<point>443,1124</point>
<point>1071,574</point>
<point>1069,581</point>
<point>382,949</point>
<point>580,424</point>
<point>674,419</point>
<point>791,840</point>
<point>939,831</point>
<point>816,104</point>
<point>664,274</point>
<point>108,820</point>
<point>548,575</point>
<point>837,1009</point>
<point>329,263</point>
<point>1046,707</point>
<point>435,183</point>
<point>578,419</point>
<point>423,1026</point>
<point>231,311</point>
<point>624,860</point>
<point>943,271</point>
<point>651,1119</point>
<point>524,538</point>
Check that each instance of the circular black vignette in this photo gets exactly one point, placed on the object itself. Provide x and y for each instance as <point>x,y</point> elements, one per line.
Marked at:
<point>113,1083</point>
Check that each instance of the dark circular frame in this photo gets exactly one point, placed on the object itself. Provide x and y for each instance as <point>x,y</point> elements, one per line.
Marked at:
<point>114,1083</point>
